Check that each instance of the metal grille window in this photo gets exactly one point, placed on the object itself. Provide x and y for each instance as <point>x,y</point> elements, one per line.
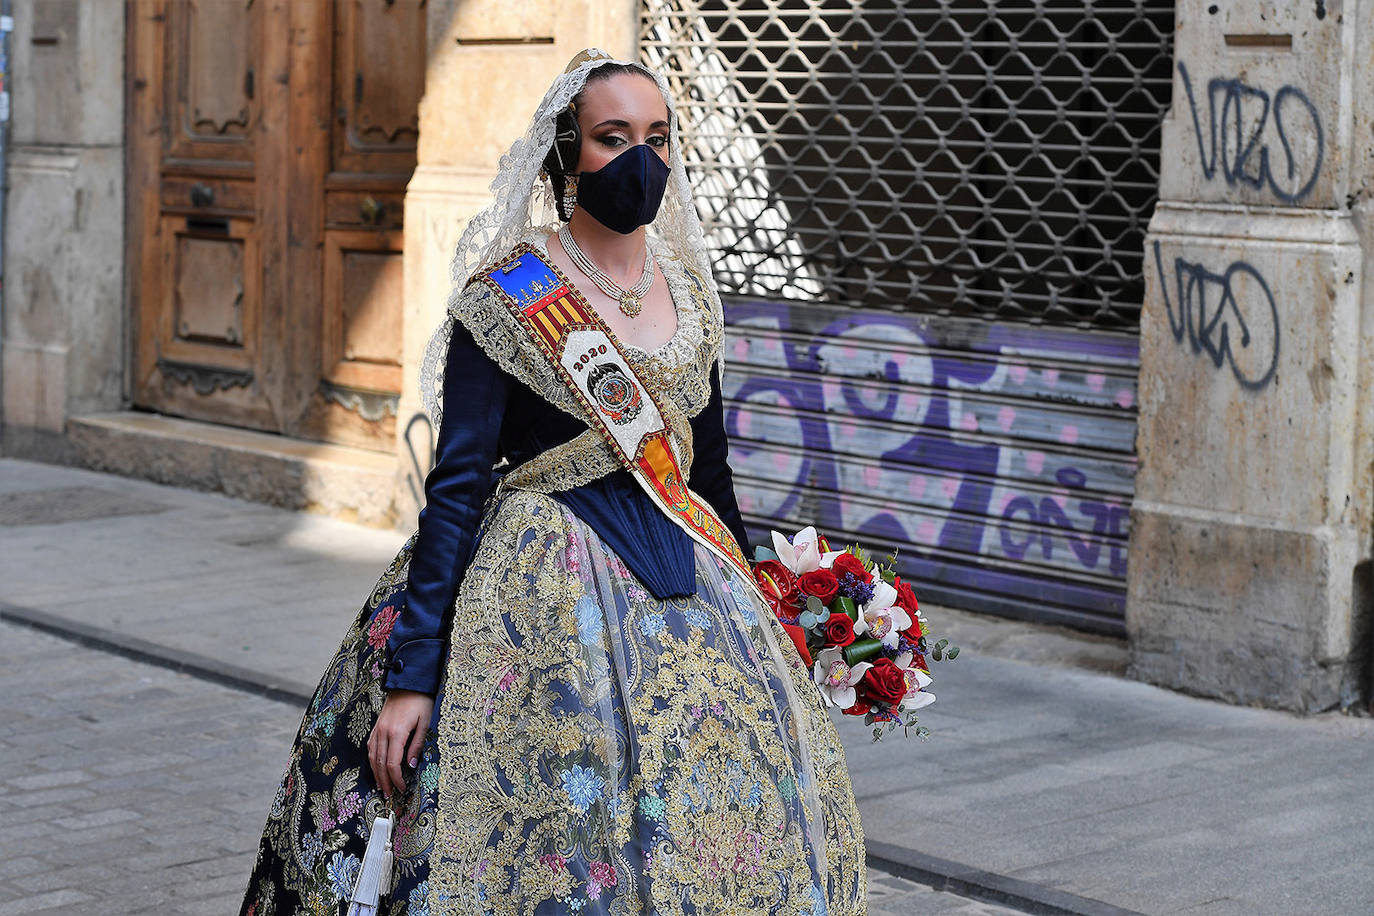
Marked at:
<point>952,157</point>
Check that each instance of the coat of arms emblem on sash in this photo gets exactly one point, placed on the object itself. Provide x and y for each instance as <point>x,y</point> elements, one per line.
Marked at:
<point>616,396</point>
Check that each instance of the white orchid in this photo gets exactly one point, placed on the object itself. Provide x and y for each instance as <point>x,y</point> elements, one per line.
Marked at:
<point>884,624</point>
<point>884,595</point>
<point>916,697</point>
<point>880,617</point>
<point>801,553</point>
<point>836,677</point>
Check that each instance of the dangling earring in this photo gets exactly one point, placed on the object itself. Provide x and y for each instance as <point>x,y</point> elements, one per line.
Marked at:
<point>569,195</point>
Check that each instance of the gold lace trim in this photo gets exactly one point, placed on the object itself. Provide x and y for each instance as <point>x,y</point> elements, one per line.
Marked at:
<point>581,459</point>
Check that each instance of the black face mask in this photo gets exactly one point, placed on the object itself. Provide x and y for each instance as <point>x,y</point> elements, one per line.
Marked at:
<point>626,192</point>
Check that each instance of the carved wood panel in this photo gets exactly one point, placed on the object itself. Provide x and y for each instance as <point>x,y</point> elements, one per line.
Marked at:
<point>379,75</point>
<point>209,319</point>
<point>363,275</point>
<point>361,341</point>
<point>212,48</point>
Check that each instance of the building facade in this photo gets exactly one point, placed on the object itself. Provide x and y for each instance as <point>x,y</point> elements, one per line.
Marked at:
<point>1064,303</point>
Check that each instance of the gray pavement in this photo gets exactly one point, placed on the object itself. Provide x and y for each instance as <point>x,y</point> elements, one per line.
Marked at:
<point>1046,769</point>
<point>128,788</point>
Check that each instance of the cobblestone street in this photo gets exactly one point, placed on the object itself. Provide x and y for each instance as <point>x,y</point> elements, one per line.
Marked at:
<point>132,789</point>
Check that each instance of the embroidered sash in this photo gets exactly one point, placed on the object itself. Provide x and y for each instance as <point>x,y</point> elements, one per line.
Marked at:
<point>589,360</point>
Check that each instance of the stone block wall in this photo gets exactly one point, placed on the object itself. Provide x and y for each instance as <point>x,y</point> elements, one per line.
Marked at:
<point>1251,526</point>
<point>62,341</point>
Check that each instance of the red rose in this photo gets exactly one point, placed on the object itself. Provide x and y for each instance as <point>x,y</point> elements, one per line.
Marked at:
<point>848,563</point>
<point>906,598</point>
<point>839,630</point>
<point>883,683</point>
<point>776,581</point>
<point>914,632</point>
<point>821,583</point>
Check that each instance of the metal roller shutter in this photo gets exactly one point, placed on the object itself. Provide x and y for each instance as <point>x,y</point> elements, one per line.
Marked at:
<point>929,220</point>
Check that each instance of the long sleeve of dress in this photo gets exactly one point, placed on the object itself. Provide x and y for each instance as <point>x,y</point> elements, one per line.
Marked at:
<point>710,476</point>
<point>475,395</point>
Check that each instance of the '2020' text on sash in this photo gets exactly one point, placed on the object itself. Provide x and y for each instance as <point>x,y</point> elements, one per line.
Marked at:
<point>586,356</point>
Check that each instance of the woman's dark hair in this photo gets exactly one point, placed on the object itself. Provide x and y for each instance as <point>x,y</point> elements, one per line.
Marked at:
<point>561,159</point>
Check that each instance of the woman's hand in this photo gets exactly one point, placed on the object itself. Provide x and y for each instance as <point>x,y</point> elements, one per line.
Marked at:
<point>403,721</point>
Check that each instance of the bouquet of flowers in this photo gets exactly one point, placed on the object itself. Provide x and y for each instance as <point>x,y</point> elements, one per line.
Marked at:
<point>856,624</point>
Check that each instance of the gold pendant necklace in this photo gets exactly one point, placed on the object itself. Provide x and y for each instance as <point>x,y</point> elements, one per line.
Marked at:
<point>630,300</point>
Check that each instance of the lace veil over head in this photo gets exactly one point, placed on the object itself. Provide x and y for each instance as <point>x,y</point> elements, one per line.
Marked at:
<point>523,203</point>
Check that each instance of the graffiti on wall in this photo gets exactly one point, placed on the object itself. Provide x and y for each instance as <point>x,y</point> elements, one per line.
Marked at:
<point>1229,316</point>
<point>1258,139</point>
<point>998,460</point>
<point>1264,141</point>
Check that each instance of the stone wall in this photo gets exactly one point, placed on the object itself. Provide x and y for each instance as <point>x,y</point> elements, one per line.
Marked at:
<point>1250,543</point>
<point>62,342</point>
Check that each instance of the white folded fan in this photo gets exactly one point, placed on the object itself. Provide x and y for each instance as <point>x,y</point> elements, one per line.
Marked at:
<point>375,872</point>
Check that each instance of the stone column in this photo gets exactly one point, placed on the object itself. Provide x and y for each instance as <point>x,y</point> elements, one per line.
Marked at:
<point>1250,534</point>
<point>490,63</point>
<point>64,331</point>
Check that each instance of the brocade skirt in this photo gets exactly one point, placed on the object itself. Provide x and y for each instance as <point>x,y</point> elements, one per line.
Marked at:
<point>592,750</point>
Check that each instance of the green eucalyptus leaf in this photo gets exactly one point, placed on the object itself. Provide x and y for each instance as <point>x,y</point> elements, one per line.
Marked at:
<point>814,605</point>
<point>935,653</point>
<point>762,553</point>
<point>953,653</point>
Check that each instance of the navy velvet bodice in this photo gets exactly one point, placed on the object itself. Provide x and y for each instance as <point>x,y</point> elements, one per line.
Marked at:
<point>488,415</point>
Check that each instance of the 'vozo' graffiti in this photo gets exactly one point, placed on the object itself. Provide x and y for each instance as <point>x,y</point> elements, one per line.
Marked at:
<point>1217,312</point>
<point>1238,116</point>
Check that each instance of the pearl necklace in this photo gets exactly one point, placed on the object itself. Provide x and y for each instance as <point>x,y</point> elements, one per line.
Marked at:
<point>629,299</point>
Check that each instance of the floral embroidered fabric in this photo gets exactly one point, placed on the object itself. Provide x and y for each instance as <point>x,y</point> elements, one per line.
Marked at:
<point>319,820</point>
<point>606,752</point>
<point>593,750</point>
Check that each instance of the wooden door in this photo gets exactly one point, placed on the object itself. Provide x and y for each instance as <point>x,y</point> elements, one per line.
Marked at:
<point>375,70</point>
<point>270,144</point>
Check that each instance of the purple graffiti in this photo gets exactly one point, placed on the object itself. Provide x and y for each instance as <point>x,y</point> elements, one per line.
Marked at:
<point>1048,522</point>
<point>820,392</point>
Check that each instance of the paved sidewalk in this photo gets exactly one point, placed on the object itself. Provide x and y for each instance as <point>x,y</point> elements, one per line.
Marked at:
<point>1074,781</point>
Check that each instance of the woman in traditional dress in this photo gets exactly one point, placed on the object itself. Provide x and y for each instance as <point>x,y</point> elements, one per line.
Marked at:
<point>566,689</point>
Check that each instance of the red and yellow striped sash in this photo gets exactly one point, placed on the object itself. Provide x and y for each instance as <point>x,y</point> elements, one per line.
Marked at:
<point>590,361</point>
